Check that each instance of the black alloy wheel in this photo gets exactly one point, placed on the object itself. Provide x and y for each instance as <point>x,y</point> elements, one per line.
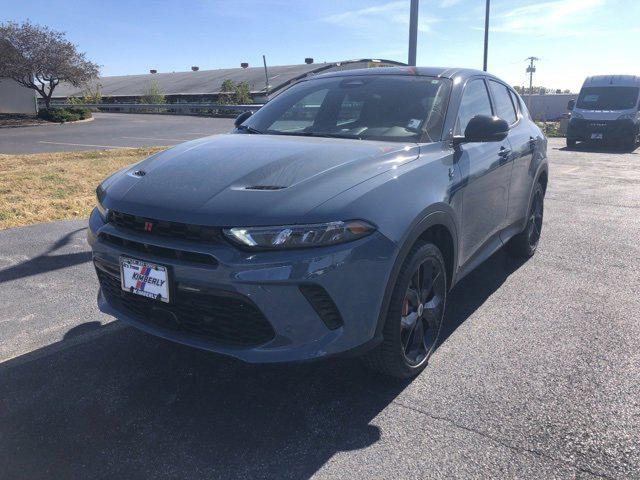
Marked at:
<point>525,243</point>
<point>415,315</point>
<point>422,309</point>
<point>534,225</point>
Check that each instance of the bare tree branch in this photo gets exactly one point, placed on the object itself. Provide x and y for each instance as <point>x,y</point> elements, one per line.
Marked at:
<point>31,53</point>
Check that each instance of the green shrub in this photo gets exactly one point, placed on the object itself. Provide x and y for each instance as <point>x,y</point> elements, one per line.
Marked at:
<point>61,115</point>
<point>550,129</point>
<point>153,94</point>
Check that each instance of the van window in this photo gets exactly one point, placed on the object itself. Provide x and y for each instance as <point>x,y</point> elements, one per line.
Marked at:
<point>607,98</point>
<point>504,104</point>
<point>475,101</point>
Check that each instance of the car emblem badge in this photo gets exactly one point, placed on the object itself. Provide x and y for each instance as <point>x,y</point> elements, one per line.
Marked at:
<point>148,226</point>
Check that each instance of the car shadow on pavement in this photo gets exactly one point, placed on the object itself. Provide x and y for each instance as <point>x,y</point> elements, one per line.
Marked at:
<point>46,262</point>
<point>124,404</point>
<point>587,148</point>
<point>473,290</point>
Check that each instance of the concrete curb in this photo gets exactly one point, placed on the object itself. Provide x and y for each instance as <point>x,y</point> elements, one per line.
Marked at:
<point>48,123</point>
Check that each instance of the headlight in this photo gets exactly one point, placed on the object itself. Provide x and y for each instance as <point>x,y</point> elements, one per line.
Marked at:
<point>576,115</point>
<point>299,236</point>
<point>627,116</point>
<point>100,194</point>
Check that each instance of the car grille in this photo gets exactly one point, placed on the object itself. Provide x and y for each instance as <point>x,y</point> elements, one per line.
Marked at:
<point>182,231</point>
<point>157,251</point>
<point>219,316</point>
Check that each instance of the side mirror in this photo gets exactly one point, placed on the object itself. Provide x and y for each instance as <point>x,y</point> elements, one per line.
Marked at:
<point>483,128</point>
<point>571,105</point>
<point>241,118</point>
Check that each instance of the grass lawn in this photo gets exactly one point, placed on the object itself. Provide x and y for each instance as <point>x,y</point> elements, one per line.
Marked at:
<point>54,186</point>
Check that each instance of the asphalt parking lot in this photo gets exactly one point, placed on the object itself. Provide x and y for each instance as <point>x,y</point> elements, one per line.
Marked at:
<point>536,377</point>
<point>111,130</point>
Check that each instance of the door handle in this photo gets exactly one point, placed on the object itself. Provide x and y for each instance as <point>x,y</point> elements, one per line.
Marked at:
<point>504,152</point>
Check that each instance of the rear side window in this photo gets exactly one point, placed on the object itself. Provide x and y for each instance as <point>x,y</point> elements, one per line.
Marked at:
<point>475,101</point>
<point>504,104</point>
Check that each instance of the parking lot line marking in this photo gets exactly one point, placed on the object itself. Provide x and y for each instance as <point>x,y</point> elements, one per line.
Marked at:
<point>162,139</point>
<point>83,145</point>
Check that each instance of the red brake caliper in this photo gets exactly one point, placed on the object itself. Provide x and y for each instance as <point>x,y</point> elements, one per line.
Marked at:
<point>405,307</point>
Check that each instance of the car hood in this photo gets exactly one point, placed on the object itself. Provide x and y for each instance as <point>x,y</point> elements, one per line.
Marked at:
<point>248,179</point>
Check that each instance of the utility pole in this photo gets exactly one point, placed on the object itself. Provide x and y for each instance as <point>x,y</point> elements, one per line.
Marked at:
<point>486,35</point>
<point>266,77</point>
<point>531,70</point>
<point>413,32</point>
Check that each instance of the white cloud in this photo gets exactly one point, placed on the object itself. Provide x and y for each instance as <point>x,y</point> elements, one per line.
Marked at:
<point>552,18</point>
<point>371,19</point>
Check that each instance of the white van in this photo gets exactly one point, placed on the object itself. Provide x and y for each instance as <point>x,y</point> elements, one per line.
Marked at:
<point>607,110</point>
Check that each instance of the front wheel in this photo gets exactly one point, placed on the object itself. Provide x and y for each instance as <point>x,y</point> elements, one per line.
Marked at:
<point>415,316</point>
<point>571,144</point>
<point>525,243</point>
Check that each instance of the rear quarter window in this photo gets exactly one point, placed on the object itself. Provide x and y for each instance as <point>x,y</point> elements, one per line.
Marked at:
<point>505,107</point>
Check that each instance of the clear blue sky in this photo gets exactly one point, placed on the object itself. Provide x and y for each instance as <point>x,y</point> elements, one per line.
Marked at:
<point>573,38</point>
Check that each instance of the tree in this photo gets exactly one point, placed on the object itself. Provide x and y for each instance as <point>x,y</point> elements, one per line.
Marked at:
<point>39,58</point>
<point>243,93</point>
<point>227,90</point>
<point>232,93</point>
<point>153,94</point>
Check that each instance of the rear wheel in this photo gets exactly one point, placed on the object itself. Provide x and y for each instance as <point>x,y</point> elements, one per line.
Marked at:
<point>525,243</point>
<point>631,143</point>
<point>415,316</point>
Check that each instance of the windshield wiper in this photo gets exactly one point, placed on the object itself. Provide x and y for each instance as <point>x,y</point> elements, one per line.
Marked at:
<point>248,129</point>
<point>316,134</point>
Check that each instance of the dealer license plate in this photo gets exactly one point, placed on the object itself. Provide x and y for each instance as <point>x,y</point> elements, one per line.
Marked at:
<point>143,278</point>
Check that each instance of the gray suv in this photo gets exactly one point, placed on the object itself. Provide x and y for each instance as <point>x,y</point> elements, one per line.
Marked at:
<point>332,221</point>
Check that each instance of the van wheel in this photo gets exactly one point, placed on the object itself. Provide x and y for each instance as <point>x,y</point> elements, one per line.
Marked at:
<point>415,316</point>
<point>571,144</point>
<point>630,144</point>
<point>525,243</point>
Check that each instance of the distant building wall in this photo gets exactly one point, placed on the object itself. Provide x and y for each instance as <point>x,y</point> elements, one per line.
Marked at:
<point>548,107</point>
<point>14,98</point>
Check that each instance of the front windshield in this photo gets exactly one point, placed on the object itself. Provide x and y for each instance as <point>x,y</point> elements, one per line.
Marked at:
<point>369,107</point>
<point>608,98</point>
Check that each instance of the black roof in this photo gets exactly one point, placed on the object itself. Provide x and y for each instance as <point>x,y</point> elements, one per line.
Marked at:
<point>442,72</point>
<point>204,82</point>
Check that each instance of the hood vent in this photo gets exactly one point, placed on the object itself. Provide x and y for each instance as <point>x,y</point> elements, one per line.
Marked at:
<point>265,187</point>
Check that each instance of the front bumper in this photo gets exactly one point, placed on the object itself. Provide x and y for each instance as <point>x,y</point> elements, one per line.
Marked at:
<point>354,275</point>
<point>611,130</point>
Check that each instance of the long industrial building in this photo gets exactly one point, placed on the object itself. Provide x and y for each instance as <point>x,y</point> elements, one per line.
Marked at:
<point>205,85</point>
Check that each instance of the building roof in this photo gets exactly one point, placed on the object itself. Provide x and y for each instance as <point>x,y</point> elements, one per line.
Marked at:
<point>210,81</point>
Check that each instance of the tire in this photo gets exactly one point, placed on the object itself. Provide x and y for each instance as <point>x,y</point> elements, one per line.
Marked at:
<point>630,144</point>
<point>571,144</point>
<point>415,316</point>
<point>524,244</point>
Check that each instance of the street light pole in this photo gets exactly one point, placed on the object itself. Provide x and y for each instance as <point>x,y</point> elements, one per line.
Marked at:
<point>413,32</point>
<point>486,35</point>
<point>266,77</point>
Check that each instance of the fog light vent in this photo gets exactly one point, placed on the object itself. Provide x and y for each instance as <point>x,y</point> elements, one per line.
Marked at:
<point>323,305</point>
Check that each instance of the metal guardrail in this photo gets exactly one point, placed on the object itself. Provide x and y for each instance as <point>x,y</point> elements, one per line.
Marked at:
<point>166,108</point>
